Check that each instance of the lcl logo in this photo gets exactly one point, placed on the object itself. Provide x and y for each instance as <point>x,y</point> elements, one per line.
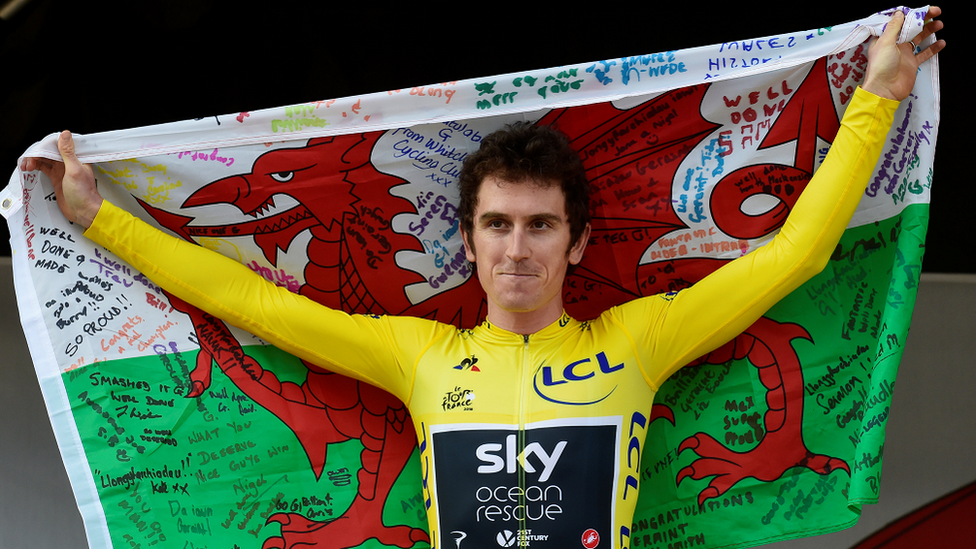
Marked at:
<point>580,370</point>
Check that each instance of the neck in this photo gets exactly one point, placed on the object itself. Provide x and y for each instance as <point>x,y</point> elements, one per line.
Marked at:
<point>524,322</point>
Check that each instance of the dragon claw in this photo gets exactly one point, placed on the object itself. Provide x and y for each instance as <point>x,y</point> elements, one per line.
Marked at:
<point>661,411</point>
<point>690,443</point>
<point>197,389</point>
<point>283,519</point>
<point>825,464</point>
<point>707,494</point>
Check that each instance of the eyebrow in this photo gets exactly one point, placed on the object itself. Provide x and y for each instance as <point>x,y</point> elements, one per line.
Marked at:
<point>535,217</point>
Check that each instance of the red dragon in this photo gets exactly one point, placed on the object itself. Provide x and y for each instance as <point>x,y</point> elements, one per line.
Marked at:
<point>350,266</point>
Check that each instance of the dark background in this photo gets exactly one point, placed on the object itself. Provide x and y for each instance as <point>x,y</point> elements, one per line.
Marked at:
<point>105,65</point>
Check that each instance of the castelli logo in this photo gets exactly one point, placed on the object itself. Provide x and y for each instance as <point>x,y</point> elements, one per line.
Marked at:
<point>590,538</point>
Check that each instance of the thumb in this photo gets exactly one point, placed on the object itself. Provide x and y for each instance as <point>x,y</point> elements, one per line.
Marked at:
<point>66,146</point>
<point>76,193</point>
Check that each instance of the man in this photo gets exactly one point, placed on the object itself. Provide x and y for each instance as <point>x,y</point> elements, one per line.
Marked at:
<point>547,443</point>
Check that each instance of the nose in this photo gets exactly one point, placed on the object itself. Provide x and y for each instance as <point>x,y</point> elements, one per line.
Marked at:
<point>518,246</point>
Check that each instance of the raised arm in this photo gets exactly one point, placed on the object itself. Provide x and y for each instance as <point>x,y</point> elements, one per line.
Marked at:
<point>361,347</point>
<point>728,301</point>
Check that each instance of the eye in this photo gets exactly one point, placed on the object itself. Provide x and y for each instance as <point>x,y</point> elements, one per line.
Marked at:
<point>282,177</point>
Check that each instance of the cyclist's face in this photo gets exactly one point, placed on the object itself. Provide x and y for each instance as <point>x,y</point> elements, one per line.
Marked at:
<point>519,243</point>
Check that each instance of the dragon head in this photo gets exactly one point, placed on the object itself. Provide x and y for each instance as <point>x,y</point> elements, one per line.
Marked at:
<point>291,190</point>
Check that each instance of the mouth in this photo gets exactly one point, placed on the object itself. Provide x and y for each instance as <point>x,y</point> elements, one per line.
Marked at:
<point>518,276</point>
<point>269,217</point>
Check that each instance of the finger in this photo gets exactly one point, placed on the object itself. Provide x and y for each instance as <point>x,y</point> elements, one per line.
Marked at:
<point>30,164</point>
<point>54,170</point>
<point>33,164</point>
<point>58,190</point>
<point>929,29</point>
<point>929,52</point>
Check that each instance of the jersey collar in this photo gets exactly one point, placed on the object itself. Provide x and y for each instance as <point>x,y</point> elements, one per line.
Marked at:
<point>565,322</point>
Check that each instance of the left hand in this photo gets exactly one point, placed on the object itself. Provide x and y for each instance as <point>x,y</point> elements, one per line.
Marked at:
<point>892,67</point>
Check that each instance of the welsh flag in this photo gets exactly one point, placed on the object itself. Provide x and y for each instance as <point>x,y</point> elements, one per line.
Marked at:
<point>695,157</point>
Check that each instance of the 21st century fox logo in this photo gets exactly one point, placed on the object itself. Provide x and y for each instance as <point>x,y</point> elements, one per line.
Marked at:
<point>507,538</point>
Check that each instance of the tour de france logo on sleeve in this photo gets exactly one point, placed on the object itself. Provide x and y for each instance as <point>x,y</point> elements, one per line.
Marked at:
<point>565,495</point>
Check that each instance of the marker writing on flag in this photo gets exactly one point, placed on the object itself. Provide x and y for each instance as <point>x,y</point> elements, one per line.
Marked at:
<point>773,100</point>
<point>761,52</point>
<point>89,303</point>
<point>122,177</point>
<point>432,209</point>
<point>672,526</point>
<point>158,193</point>
<point>242,403</point>
<point>796,507</point>
<point>254,490</point>
<point>902,147</point>
<point>651,66</point>
<point>440,155</point>
<point>738,416</point>
<point>299,117</point>
<point>279,277</point>
<point>203,156</point>
<point>443,90</point>
<point>30,181</point>
<point>846,70</point>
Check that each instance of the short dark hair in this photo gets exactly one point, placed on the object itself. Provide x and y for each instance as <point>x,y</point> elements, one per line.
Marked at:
<point>525,152</point>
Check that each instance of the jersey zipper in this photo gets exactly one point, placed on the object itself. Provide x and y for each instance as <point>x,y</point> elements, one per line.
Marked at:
<point>520,447</point>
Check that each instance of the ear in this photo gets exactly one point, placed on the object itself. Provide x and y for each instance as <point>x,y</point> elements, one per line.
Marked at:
<point>576,252</point>
<point>468,247</point>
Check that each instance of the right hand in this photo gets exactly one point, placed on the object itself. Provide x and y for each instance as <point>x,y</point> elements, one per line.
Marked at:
<point>74,182</point>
